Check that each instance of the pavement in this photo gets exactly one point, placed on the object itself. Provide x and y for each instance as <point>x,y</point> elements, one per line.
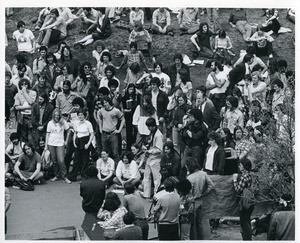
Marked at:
<point>50,206</point>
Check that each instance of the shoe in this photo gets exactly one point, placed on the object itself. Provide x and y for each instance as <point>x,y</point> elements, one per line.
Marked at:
<point>66,180</point>
<point>55,179</point>
<point>37,27</point>
<point>171,33</point>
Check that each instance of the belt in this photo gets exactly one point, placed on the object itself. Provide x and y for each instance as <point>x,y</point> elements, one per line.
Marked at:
<point>141,219</point>
<point>105,132</point>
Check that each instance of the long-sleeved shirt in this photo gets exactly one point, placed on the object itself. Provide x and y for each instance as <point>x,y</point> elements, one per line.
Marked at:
<point>116,219</point>
<point>244,180</point>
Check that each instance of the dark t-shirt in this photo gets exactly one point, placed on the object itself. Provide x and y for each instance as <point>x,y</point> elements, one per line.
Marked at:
<point>29,163</point>
<point>204,38</point>
<point>10,92</point>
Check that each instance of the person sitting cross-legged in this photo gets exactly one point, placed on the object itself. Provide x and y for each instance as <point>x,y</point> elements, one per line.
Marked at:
<point>28,166</point>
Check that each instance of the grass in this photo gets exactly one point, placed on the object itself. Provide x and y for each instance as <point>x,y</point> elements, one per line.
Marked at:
<point>164,46</point>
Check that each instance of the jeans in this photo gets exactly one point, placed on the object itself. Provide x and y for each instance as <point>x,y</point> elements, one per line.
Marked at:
<point>212,19</point>
<point>200,228</point>
<point>156,30</point>
<point>27,174</point>
<point>152,166</point>
<point>144,226</point>
<point>50,36</point>
<point>245,220</point>
<point>58,155</point>
<point>185,231</point>
<point>195,152</point>
<point>110,144</point>
<point>245,28</point>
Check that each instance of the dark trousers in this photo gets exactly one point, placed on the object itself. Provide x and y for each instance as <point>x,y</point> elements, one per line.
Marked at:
<point>144,226</point>
<point>274,26</point>
<point>245,220</point>
<point>69,151</point>
<point>81,159</point>
<point>168,232</point>
<point>131,132</point>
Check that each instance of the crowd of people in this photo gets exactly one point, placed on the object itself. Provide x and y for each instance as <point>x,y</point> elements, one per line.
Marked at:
<point>156,133</point>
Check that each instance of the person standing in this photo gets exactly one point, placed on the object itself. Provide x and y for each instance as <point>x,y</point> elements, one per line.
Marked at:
<point>92,191</point>
<point>109,117</point>
<point>82,139</point>
<point>201,185</point>
<point>242,182</point>
<point>154,154</point>
<point>55,143</point>
<point>25,41</point>
<point>168,207</point>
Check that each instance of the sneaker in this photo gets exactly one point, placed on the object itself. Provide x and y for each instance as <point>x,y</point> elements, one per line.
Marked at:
<point>54,179</point>
<point>171,33</point>
<point>66,180</point>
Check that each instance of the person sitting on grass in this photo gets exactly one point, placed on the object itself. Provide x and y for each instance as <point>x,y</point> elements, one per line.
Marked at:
<point>201,42</point>
<point>130,231</point>
<point>99,30</point>
<point>30,162</point>
<point>53,30</point>
<point>127,171</point>
<point>133,55</point>
<point>161,22</point>
<point>188,20</point>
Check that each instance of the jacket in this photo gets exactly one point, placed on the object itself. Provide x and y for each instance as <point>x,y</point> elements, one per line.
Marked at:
<point>35,115</point>
<point>218,161</point>
<point>199,135</point>
<point>172,72</point>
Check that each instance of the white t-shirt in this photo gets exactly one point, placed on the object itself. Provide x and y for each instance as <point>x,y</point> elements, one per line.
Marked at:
<point>128,171</point>
<point>217,90</point>
<point>105,167</point>
<point>56,133</point>
<point>24,40</point>
<point>260,91</point>
<point>83,129</point>
<point>154,99</point>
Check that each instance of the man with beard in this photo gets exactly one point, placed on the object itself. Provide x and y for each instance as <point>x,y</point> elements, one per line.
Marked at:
<point>216,84</point>
<point>42,86</point>
<point>15,148</point>
<point>41,115</point>
<point>109,117</point>
<point>64,99</point>
<point>21,74</point>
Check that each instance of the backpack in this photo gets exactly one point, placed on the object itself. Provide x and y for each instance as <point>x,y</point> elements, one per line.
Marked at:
<point>24,185</point>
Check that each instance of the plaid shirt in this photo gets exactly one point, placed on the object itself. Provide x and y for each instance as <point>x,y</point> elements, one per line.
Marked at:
<point>134,57</point>
<point>242,146</point>
<point>116,219</point>
<point>244,180</point>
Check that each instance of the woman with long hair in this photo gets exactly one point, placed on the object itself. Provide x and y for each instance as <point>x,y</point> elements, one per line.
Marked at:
<point>130,101</point>
<point>185,83</point>
<point>104,60</point>
<point>55,143</point>
<point>67,57</point>
<point>222,47</point>
<point>49,69</point>
<point>140,116</point>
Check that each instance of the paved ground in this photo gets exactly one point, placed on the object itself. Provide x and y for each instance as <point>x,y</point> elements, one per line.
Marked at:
<point>50,206</point>
<point>58,204</point>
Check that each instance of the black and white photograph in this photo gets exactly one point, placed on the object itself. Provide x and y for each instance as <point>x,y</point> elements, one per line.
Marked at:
<point>151,123</point>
